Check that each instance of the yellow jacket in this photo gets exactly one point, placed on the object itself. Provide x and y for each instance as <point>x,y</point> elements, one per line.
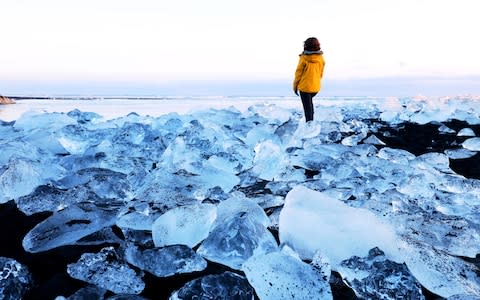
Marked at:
<point>309,73</point>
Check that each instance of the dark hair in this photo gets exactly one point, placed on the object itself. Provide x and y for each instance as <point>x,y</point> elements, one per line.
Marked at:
<point>311,44</point>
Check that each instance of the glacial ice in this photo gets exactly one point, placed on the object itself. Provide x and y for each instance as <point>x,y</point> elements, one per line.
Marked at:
<point>472,144</point>
<point>330,188</point>
<point>459,153</point>
<point>15,279</point>
<point>279,275</point>
<point>466,132</point>
<point>52,122</point>
<point>340,231</point>
<point>17,178</point>
<point>241,234</point>
<point>186,225</point>
<point>394,280</point>
<point>438,271</point>
<point>238,203</point>
<point>105,183</point>
<point>67,226</point>
<point>106,270</point>
<point>225,286</point>
<point>166,261</point>
<point>51,198</point>
<point>137,220</point>
<point>445,130</point>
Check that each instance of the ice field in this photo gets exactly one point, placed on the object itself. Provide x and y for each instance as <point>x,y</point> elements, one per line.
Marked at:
<point>172,186</point>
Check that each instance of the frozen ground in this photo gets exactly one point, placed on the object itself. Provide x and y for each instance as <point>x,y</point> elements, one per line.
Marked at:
<point>243,197</point>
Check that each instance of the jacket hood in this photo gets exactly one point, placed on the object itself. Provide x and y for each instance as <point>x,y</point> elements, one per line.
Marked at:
<point>307,52</point>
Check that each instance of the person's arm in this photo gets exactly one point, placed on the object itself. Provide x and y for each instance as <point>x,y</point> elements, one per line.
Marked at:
<point>298,74</point>
<point>323,67</point>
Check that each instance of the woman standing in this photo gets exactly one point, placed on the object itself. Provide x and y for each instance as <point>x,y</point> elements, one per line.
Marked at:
<point>309,74</point>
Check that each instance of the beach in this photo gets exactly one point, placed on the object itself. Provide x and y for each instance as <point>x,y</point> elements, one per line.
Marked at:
<point>411,162</point>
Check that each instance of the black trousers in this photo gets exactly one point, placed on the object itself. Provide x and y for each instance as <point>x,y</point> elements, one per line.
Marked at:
<point>307,101</point>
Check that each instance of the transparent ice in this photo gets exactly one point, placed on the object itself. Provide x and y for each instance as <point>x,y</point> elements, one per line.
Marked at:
<point>280,275</point>
<point>186,225</point>
<point>166,261</point>
<point>224,286</point>
<point>330,187</point>
<point>466,132</point>
<point>239,233</point>
<point>393,279</point>
<point>340,231</point>
<point>67,226</point>
<point>15,279</point>
<point>106,270</point>
<point>472,144</point>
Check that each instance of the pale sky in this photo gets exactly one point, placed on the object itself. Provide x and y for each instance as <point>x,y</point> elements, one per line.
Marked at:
<point>158,40</point>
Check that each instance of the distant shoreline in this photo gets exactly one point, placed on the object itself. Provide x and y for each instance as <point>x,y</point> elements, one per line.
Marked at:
<point>345,87</point>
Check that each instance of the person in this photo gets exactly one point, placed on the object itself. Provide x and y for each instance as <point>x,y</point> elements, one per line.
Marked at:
<point>308,75</point>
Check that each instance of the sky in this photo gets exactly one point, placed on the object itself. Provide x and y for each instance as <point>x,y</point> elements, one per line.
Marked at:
<point>157,41</point>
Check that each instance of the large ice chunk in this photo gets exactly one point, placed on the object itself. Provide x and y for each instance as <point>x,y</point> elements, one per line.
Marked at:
<point>77,139</point>
<point>459,153</point>
<point>269,160</point>
<point>188,225</point>
<point>106,270</point>
<point>236,240</point>
<point>439,272</point>
<point>15,279</point>
<point>46,141</point>
<point>466,132</point>
<point>67,226</point>
<point>103,182</point>
<point>472,144</point>
<point>328,225</point>
<point>31,121</point>
<point>18,178</point>
<point>375,277</point>
<point>398,156</point>
<point>137,220</point>
<point>238,203</point>
<point>85,117</point>
<point>51,198</point>
<point>223,286</point>
<point>279,275</point>
<point>166,261</point>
